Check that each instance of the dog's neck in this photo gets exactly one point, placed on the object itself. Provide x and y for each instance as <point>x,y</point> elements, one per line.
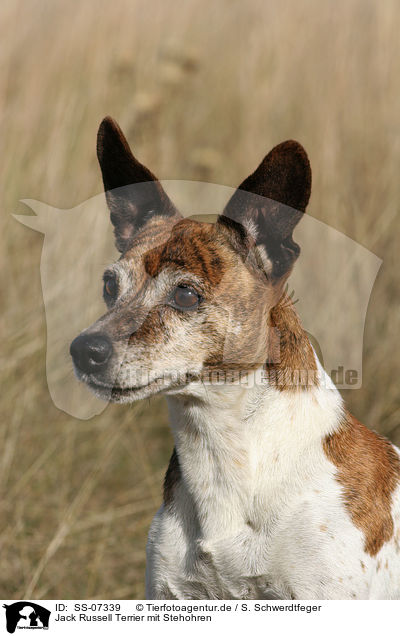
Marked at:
<point>238,445</point>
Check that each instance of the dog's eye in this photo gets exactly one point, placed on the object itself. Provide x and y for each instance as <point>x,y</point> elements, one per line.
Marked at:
<point>185,298</point>
<point>110,288</point>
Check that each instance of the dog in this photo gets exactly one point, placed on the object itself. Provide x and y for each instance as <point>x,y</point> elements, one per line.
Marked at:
<point>273,490</point>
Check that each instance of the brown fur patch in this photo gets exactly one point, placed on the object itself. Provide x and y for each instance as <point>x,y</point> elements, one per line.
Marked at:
<point>172,478</point>
<point>368,470</point>
<point>295,366</point>
<point>191,247</point>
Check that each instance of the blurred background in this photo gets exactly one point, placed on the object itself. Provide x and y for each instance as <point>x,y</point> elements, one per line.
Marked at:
<point>203,90</point>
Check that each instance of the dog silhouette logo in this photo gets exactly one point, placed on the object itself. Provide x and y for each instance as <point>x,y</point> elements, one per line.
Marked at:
<point>332,284</point>
<point>26,615</point>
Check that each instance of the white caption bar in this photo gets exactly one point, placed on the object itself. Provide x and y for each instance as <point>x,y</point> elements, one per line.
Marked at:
<point>174,617</point>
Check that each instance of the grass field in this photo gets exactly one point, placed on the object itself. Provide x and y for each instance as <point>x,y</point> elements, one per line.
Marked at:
<point>203,90</point>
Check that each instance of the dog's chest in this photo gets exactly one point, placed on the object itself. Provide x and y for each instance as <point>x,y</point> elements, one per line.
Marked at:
<point>258,557</point>
<point>243,565</point>
<point>236,566</point>
<point>232,513</point>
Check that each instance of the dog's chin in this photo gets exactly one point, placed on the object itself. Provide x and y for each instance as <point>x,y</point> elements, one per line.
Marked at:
<point>125,395</point>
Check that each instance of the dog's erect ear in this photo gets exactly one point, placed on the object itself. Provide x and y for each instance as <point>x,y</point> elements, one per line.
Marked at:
<point>133,193</point>
<point>271,201</point>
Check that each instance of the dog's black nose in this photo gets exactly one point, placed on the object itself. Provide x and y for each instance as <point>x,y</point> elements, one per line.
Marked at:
<point>91,352</point>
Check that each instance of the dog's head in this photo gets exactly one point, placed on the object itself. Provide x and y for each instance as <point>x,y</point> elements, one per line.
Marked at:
<point>186,297</point>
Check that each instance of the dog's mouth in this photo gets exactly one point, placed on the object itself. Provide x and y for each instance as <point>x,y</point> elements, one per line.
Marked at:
<point>113,393</point>
<point>158,384</point>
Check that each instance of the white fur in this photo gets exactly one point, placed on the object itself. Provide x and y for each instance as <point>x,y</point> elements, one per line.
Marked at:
<point>258,512</point>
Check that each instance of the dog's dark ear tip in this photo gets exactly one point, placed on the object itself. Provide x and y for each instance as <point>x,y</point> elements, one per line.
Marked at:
<point>292,144</point>
<point>108,122</point>
<point>293,152</point>
<point>110,134</point>
<point>108,130</point>
<point>291,157</point>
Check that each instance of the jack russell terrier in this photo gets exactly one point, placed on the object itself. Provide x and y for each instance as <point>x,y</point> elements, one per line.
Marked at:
<point>273,490</point>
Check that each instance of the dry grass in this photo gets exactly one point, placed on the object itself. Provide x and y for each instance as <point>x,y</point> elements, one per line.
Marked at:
<point>203,90</point>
